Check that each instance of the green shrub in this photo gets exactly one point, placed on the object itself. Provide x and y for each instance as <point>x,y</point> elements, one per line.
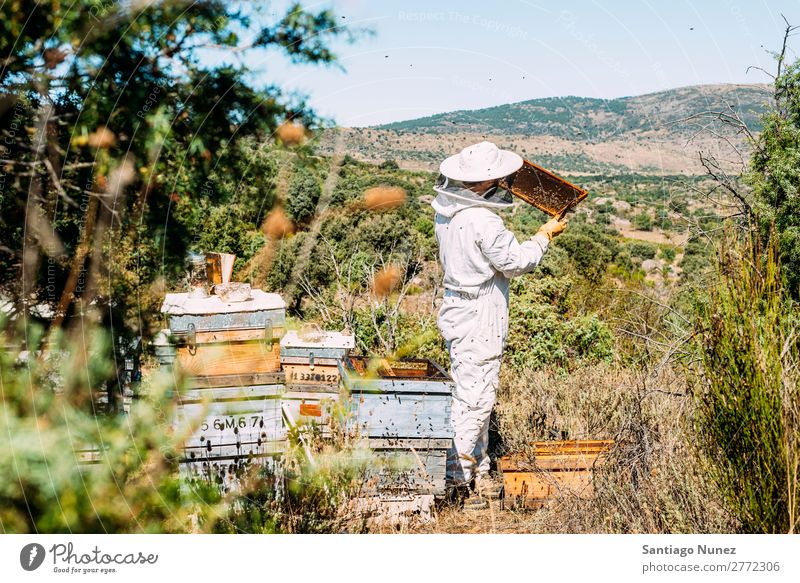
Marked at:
<point>602,219</point>
<point>662,219</point>
<point>696,259</point>
<point>667,254</point>
<point>643,221</point>
<point>424,226</point>
<point>47,418</point>
<point>590,249</point>
<point>389,165</point>
<point>642,250</point>
<point>303,195</point>
<point>228,230</point>
<point>283,262</point>
<point>540,334</point>
<point>748,397</point>
<point>775,173</point>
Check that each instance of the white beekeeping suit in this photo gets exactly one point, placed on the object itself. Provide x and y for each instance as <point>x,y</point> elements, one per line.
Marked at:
<point>479,256</point>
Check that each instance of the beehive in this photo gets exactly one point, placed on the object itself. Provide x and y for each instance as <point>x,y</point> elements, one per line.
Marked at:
<point>408,466</point>
<point>408,398</point>
<point>310,362</point>
<point>214,338</point>
<point>550,469</point>
<point>230,411</point>
<point>312,357</point>
<point>402,410</point>
<point>227,427</point>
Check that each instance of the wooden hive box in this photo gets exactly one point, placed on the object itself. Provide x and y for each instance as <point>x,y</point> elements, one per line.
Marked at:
<point>230,422</point>
<point>407,399</point>
<point>553,467</point>
<point>313,359</point>
<point>310,362</point>
<point>215,338</point>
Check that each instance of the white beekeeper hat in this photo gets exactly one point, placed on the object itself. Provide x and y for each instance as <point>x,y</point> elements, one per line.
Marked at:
<point>479,162</point>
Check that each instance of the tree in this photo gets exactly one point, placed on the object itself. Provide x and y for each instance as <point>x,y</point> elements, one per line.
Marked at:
<point>116,146</point>
<point>774,173</point>
<point>643,221</point>
<point>303,195</point>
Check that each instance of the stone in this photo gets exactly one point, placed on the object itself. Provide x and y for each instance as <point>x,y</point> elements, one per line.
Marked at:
<point>621,206</point>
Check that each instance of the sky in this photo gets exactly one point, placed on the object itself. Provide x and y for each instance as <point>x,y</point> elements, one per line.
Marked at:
<point>431,57</point>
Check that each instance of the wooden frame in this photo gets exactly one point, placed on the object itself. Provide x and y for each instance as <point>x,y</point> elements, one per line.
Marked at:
<point>544,190</point>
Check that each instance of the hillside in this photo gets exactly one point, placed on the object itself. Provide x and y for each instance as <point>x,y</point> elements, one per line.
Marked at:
<point>648,134</point>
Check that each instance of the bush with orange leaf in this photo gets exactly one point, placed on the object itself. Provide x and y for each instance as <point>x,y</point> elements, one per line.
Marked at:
<point>382,198</point>
<point>277,225</point>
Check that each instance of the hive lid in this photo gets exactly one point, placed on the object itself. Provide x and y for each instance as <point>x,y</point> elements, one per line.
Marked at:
<point>179,304</point>
<point>327,340</point>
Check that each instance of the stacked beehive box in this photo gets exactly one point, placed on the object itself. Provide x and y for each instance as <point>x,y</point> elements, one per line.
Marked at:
<point>245,390</point>
<point>402,411</point>
<point>310,360</point>
<point>230,352</point>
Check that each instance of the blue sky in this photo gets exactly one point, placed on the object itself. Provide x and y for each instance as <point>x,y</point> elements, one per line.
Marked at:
<point>431,57</point>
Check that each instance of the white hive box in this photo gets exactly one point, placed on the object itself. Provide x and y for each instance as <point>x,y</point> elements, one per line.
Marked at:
<point>310,363</point>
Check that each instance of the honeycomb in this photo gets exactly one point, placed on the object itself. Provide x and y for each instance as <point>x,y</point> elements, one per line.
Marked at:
<point>544,190</point>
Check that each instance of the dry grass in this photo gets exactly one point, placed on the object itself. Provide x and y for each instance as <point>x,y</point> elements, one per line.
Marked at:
<point>386,281</point>
<point>103,138</point>
<point>277,225</point>
<point>652,481</point>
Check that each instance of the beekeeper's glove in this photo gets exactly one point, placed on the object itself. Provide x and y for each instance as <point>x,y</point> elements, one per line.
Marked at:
<point>552,228</point>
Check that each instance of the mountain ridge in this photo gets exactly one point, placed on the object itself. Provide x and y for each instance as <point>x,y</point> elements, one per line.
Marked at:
<point>511,117</point>
<point>654,133</point>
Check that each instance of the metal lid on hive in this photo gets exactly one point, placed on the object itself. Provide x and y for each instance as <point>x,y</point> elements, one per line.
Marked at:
<point>177,304</point>
<point>327,339</point>
<point>263,310</point>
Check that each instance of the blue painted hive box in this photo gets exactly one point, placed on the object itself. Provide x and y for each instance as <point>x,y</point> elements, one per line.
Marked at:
<point>401,409</point>
<point>408,398</point>
<point>185,314</point>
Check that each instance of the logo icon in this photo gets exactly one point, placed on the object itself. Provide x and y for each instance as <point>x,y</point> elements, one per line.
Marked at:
<point>31,556</point>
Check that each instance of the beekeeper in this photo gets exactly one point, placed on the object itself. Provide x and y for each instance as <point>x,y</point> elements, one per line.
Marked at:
<point>479,256</point>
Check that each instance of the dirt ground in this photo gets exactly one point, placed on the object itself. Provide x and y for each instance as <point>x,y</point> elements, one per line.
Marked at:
<point>449,519</point>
